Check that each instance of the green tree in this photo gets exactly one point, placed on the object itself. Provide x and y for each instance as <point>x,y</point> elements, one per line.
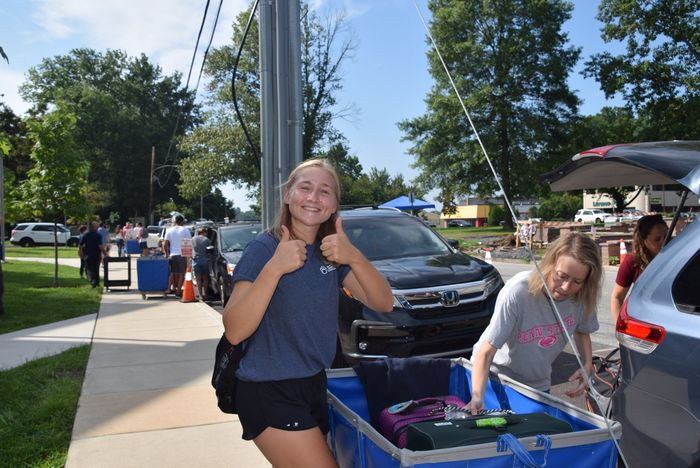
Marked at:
<point>358,188</point>
<point>658,75</point>
<point>124,106</point>
<point>55,184</point>
<point>560,206</point>
<point>510,61</point>
<point>325,47</point>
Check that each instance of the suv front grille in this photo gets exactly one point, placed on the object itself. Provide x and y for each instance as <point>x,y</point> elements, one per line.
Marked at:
<point>456,299</point>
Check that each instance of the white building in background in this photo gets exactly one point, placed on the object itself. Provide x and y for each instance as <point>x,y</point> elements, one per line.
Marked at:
<point>659,198</point>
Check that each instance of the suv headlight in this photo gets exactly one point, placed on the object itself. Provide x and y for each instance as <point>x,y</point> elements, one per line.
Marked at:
<point>493,281</point>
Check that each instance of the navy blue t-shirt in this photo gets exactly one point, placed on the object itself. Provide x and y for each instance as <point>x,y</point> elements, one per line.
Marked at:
<point>92,241</point>
<point>297,335</point>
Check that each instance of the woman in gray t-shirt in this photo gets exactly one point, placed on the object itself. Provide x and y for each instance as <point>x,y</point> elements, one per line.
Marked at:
<point>525,336</point>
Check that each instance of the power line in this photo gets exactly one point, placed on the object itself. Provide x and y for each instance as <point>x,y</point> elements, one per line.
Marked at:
<point>187,84</point>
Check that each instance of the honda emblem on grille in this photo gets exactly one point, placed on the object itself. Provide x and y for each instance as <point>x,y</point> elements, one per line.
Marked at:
<point>449,298</point>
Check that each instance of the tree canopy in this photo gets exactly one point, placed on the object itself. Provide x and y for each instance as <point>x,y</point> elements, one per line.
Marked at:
<point>510,62</point>
<point>123,106</point>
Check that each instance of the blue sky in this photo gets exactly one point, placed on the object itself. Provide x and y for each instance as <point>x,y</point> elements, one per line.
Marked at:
<point>386,80</point>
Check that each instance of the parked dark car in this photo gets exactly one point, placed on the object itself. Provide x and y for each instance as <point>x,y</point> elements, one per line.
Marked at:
<point>228,243</point>
<point>443,299</point>
<point>658,400</point>
<point>459,223</point>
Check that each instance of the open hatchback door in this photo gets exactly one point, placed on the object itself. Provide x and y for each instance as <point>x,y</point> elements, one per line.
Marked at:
<point>625,165</point>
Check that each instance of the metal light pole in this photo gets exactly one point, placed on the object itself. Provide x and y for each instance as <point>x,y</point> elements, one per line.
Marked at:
<point>280,103</point>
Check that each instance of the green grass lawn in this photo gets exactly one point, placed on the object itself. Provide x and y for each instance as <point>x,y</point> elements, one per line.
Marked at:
<point>41,252</point>
<point>38,401</point>
<point>474,231</point>
<point>30,298</point>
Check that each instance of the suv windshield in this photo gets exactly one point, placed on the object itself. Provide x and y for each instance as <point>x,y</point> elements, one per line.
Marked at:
<point>382,238</point>
<point>235,239</point>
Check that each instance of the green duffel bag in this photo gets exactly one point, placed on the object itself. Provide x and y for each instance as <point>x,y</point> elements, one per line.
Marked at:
<point>431,435</point>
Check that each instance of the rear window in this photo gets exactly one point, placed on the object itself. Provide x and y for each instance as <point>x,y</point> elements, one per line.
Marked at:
<point>396,237</point>
<point>686,293</point>
<point>20,227</point>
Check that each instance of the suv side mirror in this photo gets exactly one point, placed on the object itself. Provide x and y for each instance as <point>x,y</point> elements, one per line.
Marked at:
<point>454,243</point>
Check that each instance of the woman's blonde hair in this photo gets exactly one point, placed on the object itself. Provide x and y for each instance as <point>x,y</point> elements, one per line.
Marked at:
<point>284,217</point>
<point>642,254</point>
<point>581,248</point>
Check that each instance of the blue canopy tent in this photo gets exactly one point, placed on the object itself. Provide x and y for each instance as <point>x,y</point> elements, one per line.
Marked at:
<point>404,203</point>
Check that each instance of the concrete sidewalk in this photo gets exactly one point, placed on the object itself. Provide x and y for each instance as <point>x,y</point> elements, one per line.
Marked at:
<point>147,399</point>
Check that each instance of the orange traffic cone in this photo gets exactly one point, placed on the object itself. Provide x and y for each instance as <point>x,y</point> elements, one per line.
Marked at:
<point>623,251</point>
<point>488,256</point>
<point>187,288</point>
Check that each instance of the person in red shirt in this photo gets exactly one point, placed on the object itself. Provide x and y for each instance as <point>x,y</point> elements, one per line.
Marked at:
<point>647,240</point>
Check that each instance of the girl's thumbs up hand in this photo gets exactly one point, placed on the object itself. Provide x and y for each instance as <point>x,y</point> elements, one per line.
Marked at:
<point>337,248</point>
<point>290,254</point>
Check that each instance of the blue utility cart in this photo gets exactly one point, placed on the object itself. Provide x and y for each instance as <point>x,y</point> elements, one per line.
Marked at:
<point>152,275</point>
<point>355,443</point>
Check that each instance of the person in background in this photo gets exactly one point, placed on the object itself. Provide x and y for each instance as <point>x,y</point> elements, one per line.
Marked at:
<point>284,306</point>
<point>103,231</point>
<point>200,261</point>
<point>647,240</point>
<point>81,230</point>
<point>173,250</point>
<point>91,250</point>
<point>524,336</point>
<point>142,237</point>
<point>119,240</point>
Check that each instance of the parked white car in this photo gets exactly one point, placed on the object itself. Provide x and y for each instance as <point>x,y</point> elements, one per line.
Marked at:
<point>31,234</point>
<point>592,215</point>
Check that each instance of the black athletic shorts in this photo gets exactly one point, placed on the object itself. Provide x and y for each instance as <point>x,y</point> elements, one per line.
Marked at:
<point>178,264</point>
<point>290,405</point>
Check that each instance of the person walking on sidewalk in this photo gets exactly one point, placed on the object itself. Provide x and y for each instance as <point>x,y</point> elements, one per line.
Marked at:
<point>173,250</point>
<point>524,336</point>
<point>284,306</point>
<point>119,239</point>
<point>91,250</point>
<point>647,240</point>
<point>200,261</point>
<point>81,230</point>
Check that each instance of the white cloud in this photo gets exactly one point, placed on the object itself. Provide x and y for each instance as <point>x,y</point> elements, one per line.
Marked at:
<point>161,29</point>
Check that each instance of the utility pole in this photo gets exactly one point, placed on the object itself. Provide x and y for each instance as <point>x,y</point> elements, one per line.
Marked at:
<point>150,186</point>
<point>280,102</point>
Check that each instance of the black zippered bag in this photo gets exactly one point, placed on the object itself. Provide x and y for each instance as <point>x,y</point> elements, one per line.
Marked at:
<point>431,435</point>
<point>226,362</point>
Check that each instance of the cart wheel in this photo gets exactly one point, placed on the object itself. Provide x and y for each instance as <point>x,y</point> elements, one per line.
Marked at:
<point>143,296</point>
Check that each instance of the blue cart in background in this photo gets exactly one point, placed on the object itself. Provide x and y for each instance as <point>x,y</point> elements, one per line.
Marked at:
<point>152,275</point>
<point>355,443</point>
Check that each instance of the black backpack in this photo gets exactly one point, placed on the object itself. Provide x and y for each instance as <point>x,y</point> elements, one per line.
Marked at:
<point>224,380</point>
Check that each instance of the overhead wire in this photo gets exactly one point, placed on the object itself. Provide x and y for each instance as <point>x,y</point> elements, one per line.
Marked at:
<point>514,217</point>
<point>187,85</point>
<point>233,84</point>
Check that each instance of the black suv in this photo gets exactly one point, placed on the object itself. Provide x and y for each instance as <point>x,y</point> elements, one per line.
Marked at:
<point>227,247</point>
<point>443,299</point>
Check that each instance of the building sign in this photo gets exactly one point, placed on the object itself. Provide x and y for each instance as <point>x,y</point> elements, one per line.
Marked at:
<point>601,204</point>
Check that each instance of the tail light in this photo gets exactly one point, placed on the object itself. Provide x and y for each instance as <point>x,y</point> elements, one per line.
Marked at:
<point>14,231</point>
<point>638,336</point>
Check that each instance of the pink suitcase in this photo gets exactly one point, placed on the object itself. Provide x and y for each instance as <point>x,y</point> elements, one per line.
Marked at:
<point>394,420</point>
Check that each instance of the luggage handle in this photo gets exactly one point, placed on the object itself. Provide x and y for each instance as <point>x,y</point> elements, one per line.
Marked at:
<point>509,441</point>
